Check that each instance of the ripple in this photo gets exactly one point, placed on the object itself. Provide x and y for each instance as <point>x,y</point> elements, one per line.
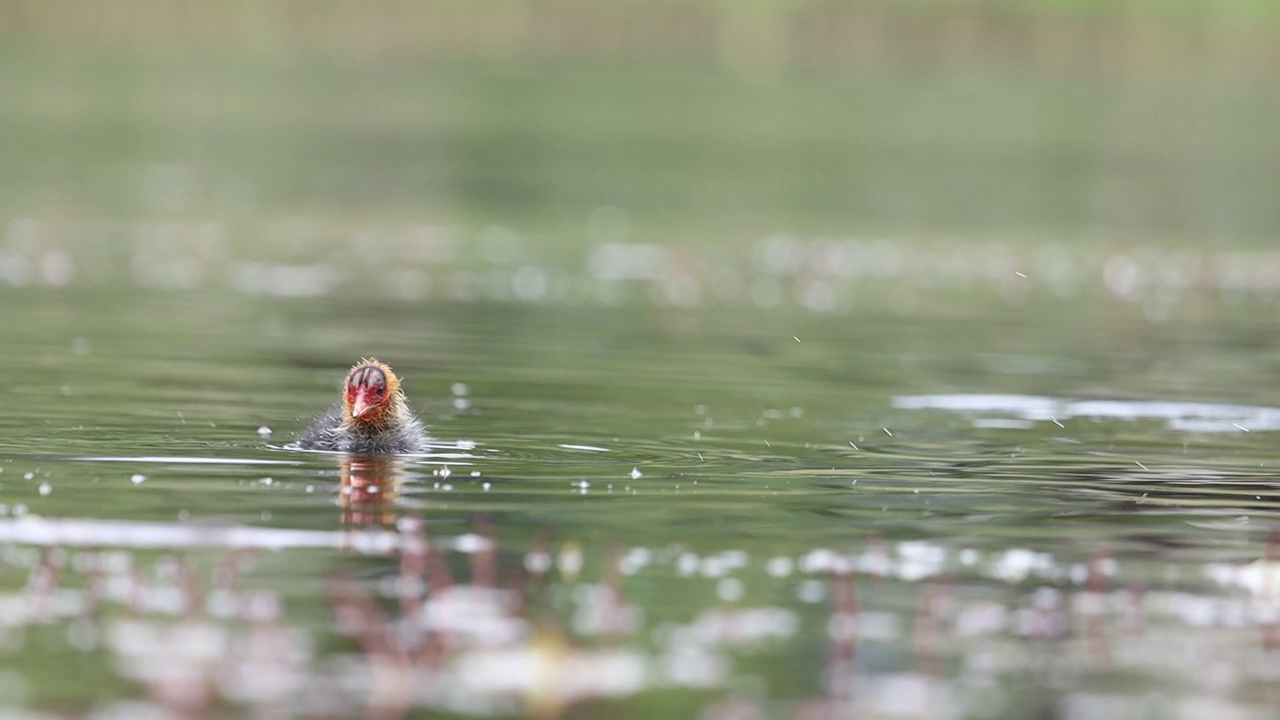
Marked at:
<point>181,460</point>
<point>83,532</point>
<point>1186,416</point>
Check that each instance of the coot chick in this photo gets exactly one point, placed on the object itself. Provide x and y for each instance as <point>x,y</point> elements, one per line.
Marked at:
<point>373,417</point>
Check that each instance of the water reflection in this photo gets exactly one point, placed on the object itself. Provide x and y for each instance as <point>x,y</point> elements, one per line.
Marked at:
<point>422,260</point>
<point>993,411</point>
<point>369,489</point>
<point>457,623</point>
<point>478,645</point>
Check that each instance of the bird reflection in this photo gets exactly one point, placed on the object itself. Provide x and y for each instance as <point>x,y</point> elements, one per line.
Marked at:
<point>369,488</point>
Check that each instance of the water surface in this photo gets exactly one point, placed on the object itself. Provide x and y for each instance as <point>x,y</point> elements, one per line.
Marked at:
<point>639,510</point>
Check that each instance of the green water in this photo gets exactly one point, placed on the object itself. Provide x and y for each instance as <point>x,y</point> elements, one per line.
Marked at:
<point>705,490</point>
<point>802,396</point>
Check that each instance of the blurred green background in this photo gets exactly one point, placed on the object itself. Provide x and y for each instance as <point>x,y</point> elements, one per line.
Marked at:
<point>705,123</point>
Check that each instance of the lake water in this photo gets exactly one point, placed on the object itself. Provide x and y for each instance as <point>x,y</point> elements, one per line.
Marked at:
<point>986,510</point>
<point>740,409</point>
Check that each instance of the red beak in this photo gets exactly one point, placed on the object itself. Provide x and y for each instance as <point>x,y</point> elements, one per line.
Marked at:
<point>363,403</point>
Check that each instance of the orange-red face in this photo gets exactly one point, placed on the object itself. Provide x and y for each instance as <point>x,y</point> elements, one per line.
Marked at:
<point>368,390</point>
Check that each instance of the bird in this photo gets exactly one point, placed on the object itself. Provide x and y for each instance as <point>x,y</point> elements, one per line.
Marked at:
<point>372,418</point>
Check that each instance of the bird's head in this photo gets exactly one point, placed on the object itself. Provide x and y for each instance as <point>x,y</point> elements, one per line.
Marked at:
<point>370,391</point>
